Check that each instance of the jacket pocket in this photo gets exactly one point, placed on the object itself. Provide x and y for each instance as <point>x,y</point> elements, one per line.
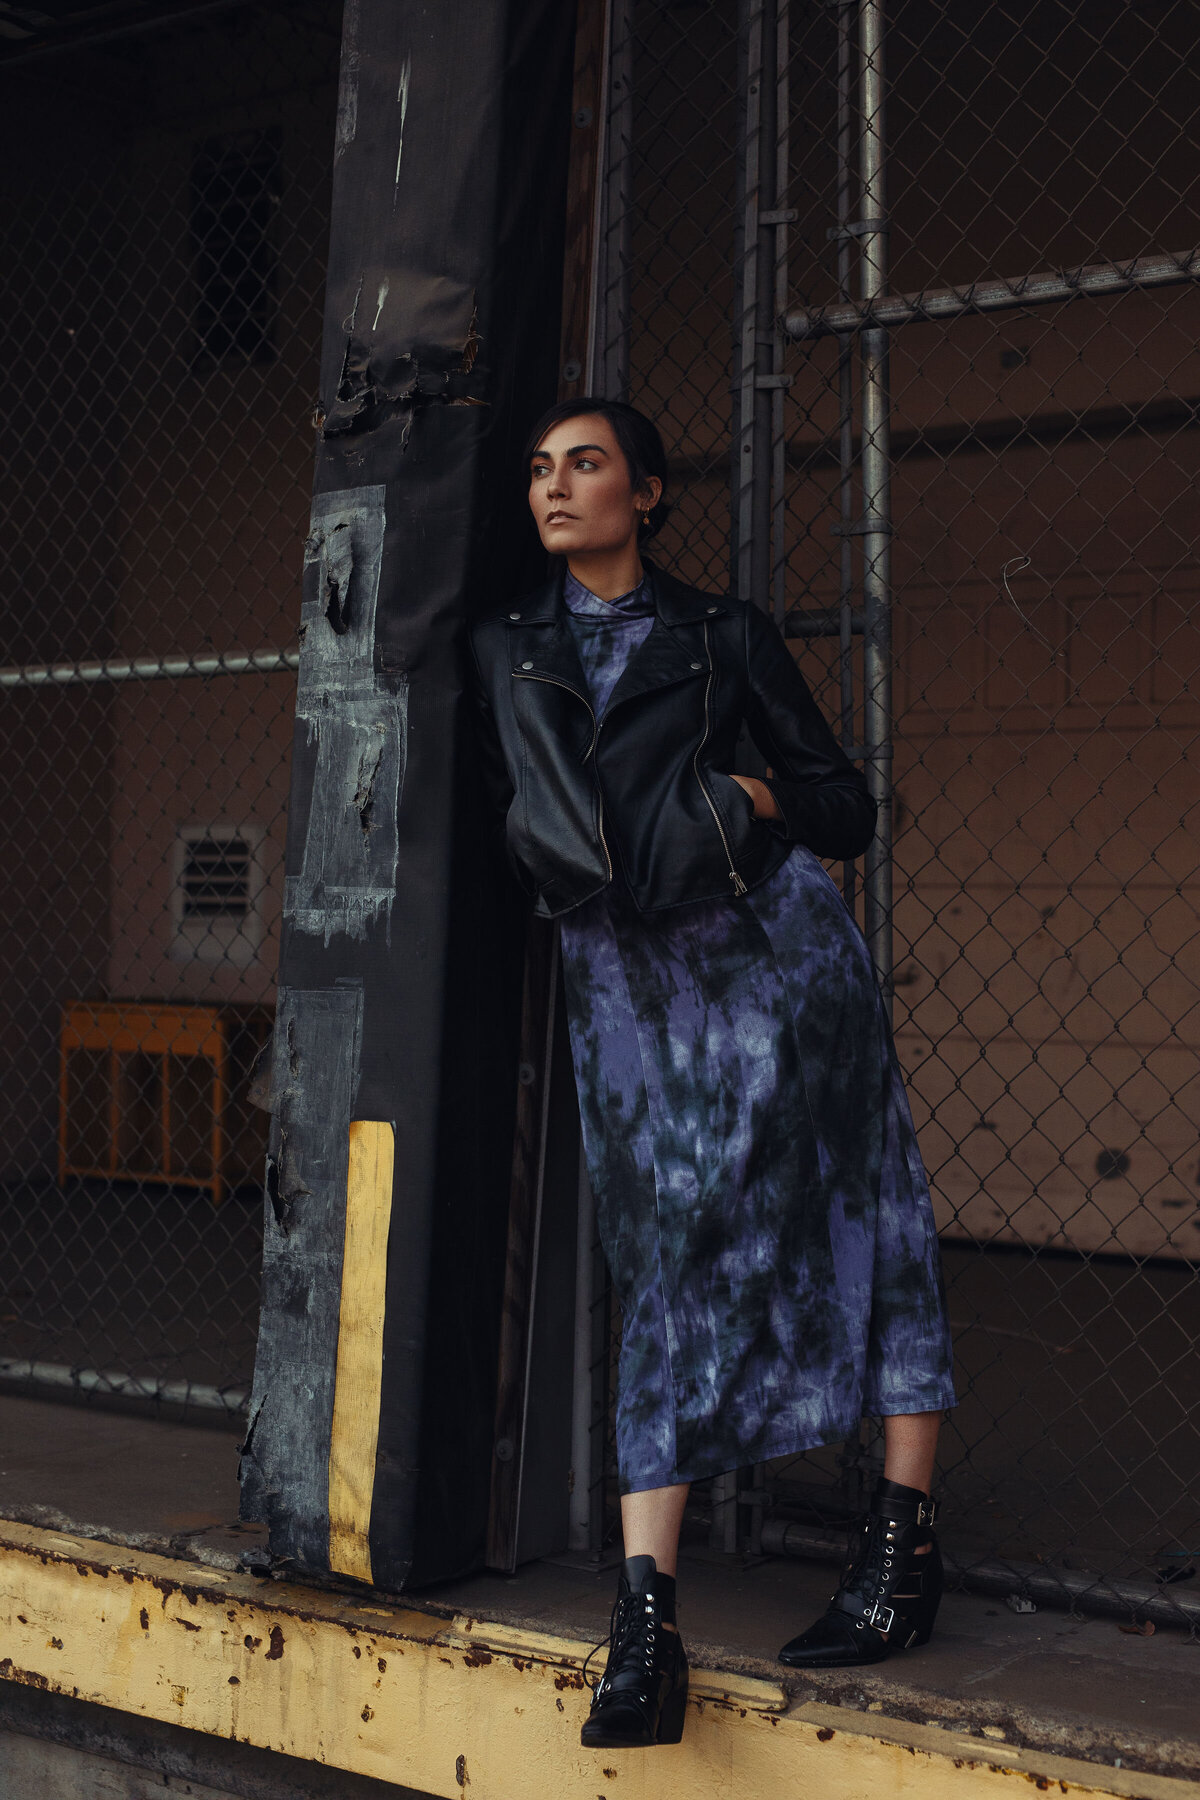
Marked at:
<point>736,806</point>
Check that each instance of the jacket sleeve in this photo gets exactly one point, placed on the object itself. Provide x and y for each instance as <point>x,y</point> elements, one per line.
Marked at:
<point>823,798</point>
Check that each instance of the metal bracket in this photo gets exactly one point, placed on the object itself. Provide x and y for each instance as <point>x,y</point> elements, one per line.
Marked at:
<point>772,381</point>
<point>780,215</point>
<point>858,228</point>
<point>865,527</point>
<point>820,621</point>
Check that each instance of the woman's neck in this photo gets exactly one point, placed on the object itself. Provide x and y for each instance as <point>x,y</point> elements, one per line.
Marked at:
<point>608,574</point>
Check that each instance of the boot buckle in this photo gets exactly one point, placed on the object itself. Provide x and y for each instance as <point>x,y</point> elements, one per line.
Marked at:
<point>926,1512</point>
<point>881,1617</point>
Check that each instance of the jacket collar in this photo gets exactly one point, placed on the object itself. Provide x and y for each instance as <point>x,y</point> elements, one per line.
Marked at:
<point>675,603</point>
<point>662,658</point>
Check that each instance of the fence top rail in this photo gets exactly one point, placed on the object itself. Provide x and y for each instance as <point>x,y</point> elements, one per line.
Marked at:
<point>994,295</point>
<point>149,668</point>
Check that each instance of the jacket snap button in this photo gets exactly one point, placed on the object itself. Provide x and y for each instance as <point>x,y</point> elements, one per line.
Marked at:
<point>527,665</point>
<point>712,609</point>
<point>514,615</point>
<point>697,665</point>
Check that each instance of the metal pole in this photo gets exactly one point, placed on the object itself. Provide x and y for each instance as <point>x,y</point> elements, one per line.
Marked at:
<point>150,668</point>
<point>845,139</point>
<point>594,360</point>
<point>876,525</point>
<point>767,342</point>
<point>618,206</point>
<point>580,1534</point>
<point>782,216</point>
<point>1002,293</point>
<point>745,477</point>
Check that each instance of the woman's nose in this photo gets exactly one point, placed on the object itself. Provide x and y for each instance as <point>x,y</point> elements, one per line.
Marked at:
<point>556,487</point>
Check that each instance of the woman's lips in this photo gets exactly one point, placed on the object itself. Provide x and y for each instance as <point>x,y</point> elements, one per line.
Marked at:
<point>559,518</point>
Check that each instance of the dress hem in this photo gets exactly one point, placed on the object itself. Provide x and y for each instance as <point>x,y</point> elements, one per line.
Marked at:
<point>787,1445</point>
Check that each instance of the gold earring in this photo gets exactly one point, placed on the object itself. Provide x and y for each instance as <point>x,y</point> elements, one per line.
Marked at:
<point>645,518</point>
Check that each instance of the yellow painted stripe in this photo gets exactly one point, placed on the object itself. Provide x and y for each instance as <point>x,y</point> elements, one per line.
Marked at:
<point>458,1707</point>
<point>359,1379</point>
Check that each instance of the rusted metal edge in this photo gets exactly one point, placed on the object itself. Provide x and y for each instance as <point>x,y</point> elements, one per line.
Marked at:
<point>441,1704</point>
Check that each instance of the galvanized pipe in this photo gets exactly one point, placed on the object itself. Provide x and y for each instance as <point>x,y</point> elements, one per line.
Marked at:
<point>150,668</point>
<point>781,217</point>
<point>748,468</point>
<point>766,332</point>
<point>117,1381</point>
<point>616,287</point>
<point>845,192</point>
<point>579,1536</point>
<point>1091,282</point>
<point>876,524</point>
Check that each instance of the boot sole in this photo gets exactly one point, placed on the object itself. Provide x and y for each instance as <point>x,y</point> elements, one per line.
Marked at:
<point>670,1727</point>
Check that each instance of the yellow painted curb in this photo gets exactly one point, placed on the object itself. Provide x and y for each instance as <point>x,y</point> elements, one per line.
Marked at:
<point>455,1708</point>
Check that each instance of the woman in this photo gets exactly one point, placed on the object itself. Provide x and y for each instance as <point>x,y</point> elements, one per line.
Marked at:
<point>759,1191</point>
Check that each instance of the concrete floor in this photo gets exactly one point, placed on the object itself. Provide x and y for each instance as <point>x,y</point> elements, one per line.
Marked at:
<point>1076,1438</point>
<point>1082,1688</point>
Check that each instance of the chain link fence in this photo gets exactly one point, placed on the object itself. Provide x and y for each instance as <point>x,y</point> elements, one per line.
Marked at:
<point>166,216</point>
<point>1025,240</point>
<point>1001,204</point>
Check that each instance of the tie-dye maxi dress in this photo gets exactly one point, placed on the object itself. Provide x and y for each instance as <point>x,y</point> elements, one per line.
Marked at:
<point>760,1195</point>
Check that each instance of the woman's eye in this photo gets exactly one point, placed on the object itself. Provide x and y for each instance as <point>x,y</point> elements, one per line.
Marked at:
<point>585,462</point>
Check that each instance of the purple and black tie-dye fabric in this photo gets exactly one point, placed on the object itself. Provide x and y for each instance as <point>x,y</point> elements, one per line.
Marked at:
<point>759,1191</point>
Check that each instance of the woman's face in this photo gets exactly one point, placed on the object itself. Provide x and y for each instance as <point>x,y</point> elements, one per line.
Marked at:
<point>579,488</point>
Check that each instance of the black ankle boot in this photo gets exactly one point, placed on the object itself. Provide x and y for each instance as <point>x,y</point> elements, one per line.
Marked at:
<point>641,1697</point>
<point>888,1596</point>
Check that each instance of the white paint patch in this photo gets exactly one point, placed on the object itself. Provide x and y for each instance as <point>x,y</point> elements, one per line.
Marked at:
<point>347,112</point>
<point>380,297</point>
<point>349,324</point>
<point>402,101</point>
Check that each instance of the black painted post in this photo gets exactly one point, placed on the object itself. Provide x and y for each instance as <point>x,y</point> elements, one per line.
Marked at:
<point>400,967</point>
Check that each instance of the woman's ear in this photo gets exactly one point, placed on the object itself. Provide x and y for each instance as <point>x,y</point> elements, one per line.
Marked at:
<point>649,494</point>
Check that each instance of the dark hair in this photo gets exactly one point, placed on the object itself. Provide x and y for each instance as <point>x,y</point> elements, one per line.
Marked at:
<point>637,435</point>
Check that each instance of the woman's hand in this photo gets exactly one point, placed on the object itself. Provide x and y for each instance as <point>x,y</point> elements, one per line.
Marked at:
<point>760,794</point>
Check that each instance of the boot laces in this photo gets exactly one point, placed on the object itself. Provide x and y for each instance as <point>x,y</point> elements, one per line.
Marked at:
<point>870,1564</point>
<point>632,1618</point>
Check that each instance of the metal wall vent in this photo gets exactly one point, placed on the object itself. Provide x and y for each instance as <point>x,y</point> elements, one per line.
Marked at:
<point>218,890</point>
<point>215,878</point>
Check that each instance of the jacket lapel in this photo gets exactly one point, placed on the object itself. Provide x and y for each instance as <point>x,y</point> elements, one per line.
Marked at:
<point>664,657</point>
<point>672,651</point>
<point>674,648</point>
<point>539,634</point>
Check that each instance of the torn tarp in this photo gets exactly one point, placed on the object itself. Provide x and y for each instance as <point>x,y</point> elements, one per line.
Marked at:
<point>401,953</point>
<point>411,340</point>
<point>355,721</point>
<point>285,1455</point>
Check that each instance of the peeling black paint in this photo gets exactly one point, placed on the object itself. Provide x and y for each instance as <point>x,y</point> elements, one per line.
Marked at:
<point>286,1448</point>
<point>439,349</point>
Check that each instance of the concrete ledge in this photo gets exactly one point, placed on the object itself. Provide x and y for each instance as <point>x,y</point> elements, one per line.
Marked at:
<point>451,1706</point>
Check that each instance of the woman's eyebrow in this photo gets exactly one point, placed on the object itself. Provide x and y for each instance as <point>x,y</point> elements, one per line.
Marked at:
<point>573,451</point>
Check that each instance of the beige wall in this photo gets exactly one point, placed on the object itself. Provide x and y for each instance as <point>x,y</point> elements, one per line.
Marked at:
<point>1046,871</point>
<point>162,508</point>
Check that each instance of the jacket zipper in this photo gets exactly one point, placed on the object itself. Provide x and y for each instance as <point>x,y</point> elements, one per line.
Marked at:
<point>739,886</point>
<point>554,682</point>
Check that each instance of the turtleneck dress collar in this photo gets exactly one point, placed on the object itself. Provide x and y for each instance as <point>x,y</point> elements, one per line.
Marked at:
<point>607,632</point>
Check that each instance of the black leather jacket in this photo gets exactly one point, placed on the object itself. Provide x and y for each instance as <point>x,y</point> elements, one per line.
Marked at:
<point>645,792</point>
